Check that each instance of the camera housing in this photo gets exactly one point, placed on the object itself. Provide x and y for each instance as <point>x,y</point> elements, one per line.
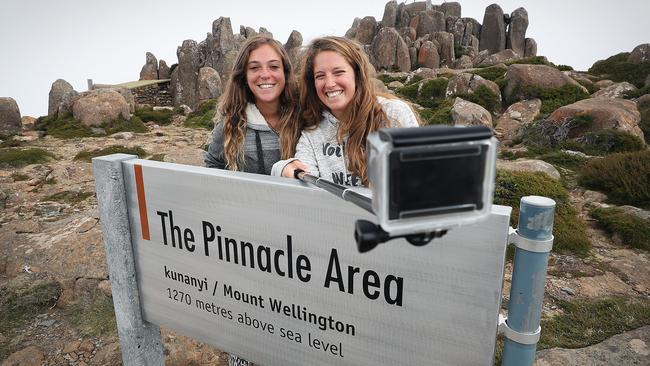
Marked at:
<point>431,178</point>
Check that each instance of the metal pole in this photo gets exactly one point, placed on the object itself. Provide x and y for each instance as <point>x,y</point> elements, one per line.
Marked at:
<point>533,240</point>
<point>139,340</point>
<point>343,192</point>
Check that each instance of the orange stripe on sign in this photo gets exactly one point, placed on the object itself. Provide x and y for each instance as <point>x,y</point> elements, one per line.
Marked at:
<point>142,203</point>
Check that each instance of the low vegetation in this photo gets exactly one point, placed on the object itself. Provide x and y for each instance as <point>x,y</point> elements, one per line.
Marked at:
<point>616,68</point>
<point>21,301</point>
<point>72,197</point>
<point>66,127</point>
<point>569,231</point>
<point>18,157</point>
<point>387,79</point>
<point>161,117</point>
<point>633,230</point>
<point>484,97</point>
<point>87,155</point>
<point>493,73</point>
<point>93,315</point>
<point>552,98</point>
<point>587,322</point>
<point>437,116</point>
<point>644,124</point>
<point>623,177</point>
<point>203,116</point>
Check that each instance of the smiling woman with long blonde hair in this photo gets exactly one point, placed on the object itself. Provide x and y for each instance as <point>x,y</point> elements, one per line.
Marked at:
<point>256,122</point>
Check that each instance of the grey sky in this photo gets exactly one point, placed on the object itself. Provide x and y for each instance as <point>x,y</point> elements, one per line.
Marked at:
<point>43,40</point>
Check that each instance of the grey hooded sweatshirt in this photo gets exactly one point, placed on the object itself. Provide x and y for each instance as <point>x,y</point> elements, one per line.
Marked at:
<point>261,145</point>
<point>320,151</point>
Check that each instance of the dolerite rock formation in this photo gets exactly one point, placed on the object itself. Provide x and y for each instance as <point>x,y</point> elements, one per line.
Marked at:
<point>185,75</point>
<point>9,116</point>
<point>516,39</point>
<point>57,92</point>
<point>150,69</point>
<point>493,31</point>
<point>208,84</point>
<point>163,70</point>
<point>293,47</point>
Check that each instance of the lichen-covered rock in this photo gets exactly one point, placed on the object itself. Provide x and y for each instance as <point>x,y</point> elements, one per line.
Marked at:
<point>9,117</point>
<point>390,14</point>
<point>451,8</point>
<point>446,50</point>
<point>529,165</point>
<point>59,88</point>
<point>530,48</point>
<point>500,57</point>
<point>428,56</point>
<point>605,113</point>
<point>366,30</point>
<point>516,116</point>
<point>95,107</point>
<point>467,83</point>
<point>163,70</point>
<point>185,75</point>
<point>465,113</point>
<point>294,42</point>
<point>493,32</point>
<point>616,90</point>
<point>352,32</point>
<point>208,83</point>
<point>516,39</point>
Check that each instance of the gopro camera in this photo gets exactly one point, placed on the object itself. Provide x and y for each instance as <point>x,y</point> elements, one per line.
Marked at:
<point>431,178</point>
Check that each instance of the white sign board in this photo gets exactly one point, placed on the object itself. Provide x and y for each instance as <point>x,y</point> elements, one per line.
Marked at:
<point>267,268</point>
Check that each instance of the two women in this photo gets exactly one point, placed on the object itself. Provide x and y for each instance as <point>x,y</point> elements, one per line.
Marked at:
<point>339,108</point>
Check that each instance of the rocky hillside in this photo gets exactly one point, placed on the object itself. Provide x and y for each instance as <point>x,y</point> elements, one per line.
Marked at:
<point>578,137</point>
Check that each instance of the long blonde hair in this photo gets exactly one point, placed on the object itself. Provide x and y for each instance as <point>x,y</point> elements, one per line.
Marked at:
<point>362,116</point>
<point>232,108</point>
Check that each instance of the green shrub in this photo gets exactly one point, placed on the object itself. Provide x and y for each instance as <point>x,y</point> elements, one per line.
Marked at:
<point>414,79</point>
<point>604,142</point>
<point>637,93</point>
<point>18,157</point>
<point>484,97</point>
<point>587,322</point>
<point>86,155</point>
<point>387,79</point>
<point>634,231</point>
<point>429,94</point>
<point>564,68</point>
<point>134,124</point>
<point>409,92</point>
<point>460,50</point>
<point>437,116</point>
<point>63,126</point>
<point>569,230</point>
<point>203,116</point>
<point>616,68</point>
<point>591,87</point>
<point>623,177</point>
<point>18,176</point>
<point>534,60</point>
<point>552,99</point>
<point>160,117</point>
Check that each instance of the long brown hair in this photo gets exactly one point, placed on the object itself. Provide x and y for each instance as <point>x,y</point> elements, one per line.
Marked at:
<point>232,108</point>
<point>362,116</point>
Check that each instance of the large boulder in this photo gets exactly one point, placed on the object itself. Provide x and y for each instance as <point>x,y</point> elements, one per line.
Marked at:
<point>59,88</point>
<point>150,69</point>
<point>390,14</point>
<point>294,42</point>
<point>520,76</point>
<point>640,54</point>
<point>530,47</point>
<point>99,106</point>
<point>516,39</point>
<point>386,47</point>
<point>185,75</point>
<point>209,84</point>
<point>163,70</point>
<point>465,113</point>
<point>466,83</point>
<point>366,30</point>
<point>516,116</point>
<point>605,113</point>
<point>451,8</point>
<point>428,56</point>
<point>616,90</point>
<point>220,48</point>
<point>529,165</point>
<point>9,117</point>
<point>500,57</point>
<point>493,32</point>
<point>352,32</point>
<point>446,50</point>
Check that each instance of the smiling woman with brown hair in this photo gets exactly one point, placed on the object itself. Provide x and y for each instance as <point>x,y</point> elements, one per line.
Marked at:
<point>256,121</point>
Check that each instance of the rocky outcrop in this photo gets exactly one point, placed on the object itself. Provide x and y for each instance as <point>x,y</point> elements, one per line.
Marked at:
<point>499,58</point>
<point>9,117</point>
<point>96,107</point>
<point>640,53</point>
<point>221,47</point>
<point>428,56</point>
<point>366,30</point>
<point>493,31</point>
<point>605,113</point>
<point>150,69</point>
<point>466,83</point>
<point>542,76</point>
<point>209,84</point>
<point>185,75</point>
<point>390,51</point>
<point>530,48</point>
<point>516,39</point>
<point>293,47</point>
<point>163,70</point>
<point>58,89</point>
<point>390,14</point>
<point>529,165</point>
<point>465,113</point>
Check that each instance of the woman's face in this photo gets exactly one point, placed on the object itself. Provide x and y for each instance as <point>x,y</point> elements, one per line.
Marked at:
<point>334,81</point>
<point>265,74</point>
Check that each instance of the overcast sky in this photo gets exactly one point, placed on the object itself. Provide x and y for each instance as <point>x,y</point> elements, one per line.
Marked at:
<point>76,40</point>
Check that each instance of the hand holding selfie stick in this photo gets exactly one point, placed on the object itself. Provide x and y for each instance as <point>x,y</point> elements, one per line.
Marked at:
<point>367,234</point>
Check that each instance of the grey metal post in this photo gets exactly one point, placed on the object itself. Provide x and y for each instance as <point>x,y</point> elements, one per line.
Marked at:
<point>139,340</point>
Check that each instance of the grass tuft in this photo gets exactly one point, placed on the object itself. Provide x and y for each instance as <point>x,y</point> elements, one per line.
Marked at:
<point>18,157</point>
<point>87,155</point>
<point>20,303</point>
<point>203,116</point>
<point>161,117</point>
<point>634,231</point>
<point>552,98</point>
<point>93,315</point>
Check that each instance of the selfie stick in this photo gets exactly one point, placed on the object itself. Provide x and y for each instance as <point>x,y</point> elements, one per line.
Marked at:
<point>367,234</point>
